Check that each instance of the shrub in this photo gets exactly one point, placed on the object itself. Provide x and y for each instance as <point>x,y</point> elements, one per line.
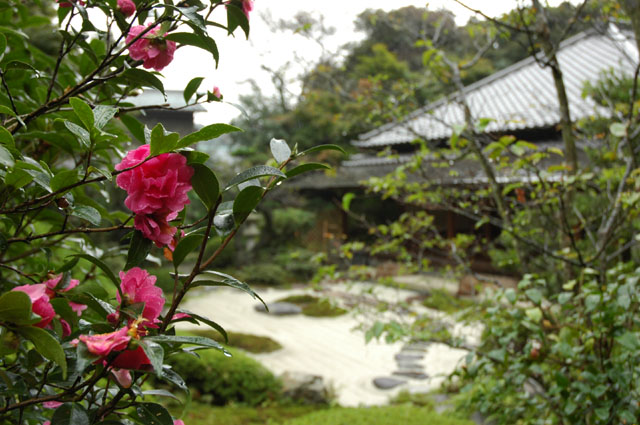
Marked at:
<point>570,357</point>
<point>221,380</point>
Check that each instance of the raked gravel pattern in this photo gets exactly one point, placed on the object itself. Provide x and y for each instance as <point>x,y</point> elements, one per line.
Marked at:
<point>333,347</point>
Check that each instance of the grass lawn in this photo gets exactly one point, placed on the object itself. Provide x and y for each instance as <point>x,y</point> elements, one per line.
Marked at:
<point>201,414</point>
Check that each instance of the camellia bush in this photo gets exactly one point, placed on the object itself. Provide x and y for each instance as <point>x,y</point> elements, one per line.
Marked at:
<point>82,323</point>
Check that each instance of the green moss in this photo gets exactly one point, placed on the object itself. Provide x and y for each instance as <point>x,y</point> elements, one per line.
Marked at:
<point>314,306</point>
<point>247,342</point>
<point>443,301</point>
<point>418,399</point>
<point>323,308</point>
<point>203,414</point>
<point>388,415</point>
<point>301,299</point>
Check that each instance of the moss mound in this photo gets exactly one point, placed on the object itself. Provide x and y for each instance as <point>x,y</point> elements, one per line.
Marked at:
<point>247,342</point>
<point>314,306</point>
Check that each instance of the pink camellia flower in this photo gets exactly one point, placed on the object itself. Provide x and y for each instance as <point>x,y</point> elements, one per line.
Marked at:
<point>40,304</point>
<point>178,422</point>
<point>247,7</point>
<point>123,376</point>
<point>127,7</point>
<point>158,186</point>
<point>216,92</point>
<point>152,48</point>
<point>157,228</point>
<point>138,286</point>
<point>51,404</point>
<point>131,359</point>
<point>52,285</point>
<point>69,3</point>
<point>103,344</point>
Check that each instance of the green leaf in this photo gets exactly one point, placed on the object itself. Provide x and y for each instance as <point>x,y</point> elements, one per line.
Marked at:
<point>83,135</point>
<point>155,353</point>
<point>6,138</point>
<point>3,45</point>
<point>618,129</point>
<point>162,141</point>
<point>303,168</point>
<point>280,150</point>
<point>64,179</point>
<point>102,114</point>
<point>139,248</point>
<point>7,111</point>
<point>46,345</point>
<point>245,202</point>
<point>145,78</point>
<point>102,266</point>
<point>153,414</point>
<point>6,158</point>
<point>186,245</point>
<point>564,297</point>
<point>570,407</point>
<point>235,18</point>
<point>172,377</point>
<point>592,301</point>
<point>599,390</point>
<point>602,413</point>
<point>191,88</point>
<point>83,111</point>
<point>191,13</point>
<point>62,308</point>
<point>346,200</point>
<point>534,295</point>
<point>498,355</point>
<point>223,279</point>
<point>184,339</point>
<point>70,414</point>
<point>208,322</point>
<point>199,40</point>
<point>322,148</point>
<point>629,340</point>
<point>161,393</point>
<point>15,307</point>
<point>88,213</point>
<point>205,184</point>
<point>195,157</point>
<point>253,173</point>
<point>535,314</point>
<point>134,126</point>
<point>209,132</point>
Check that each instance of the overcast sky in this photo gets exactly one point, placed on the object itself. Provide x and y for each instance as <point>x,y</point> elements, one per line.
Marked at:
<point>241,60</point>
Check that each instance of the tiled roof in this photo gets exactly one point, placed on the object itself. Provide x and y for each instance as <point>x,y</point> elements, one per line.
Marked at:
<point>521,96</point>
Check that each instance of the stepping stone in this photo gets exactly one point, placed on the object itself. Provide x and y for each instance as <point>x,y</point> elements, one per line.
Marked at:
<point>410,366</point>
<point>279,309</point>
<point>410,356</point>
<point>386,383</point>
<point>412,374</point>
